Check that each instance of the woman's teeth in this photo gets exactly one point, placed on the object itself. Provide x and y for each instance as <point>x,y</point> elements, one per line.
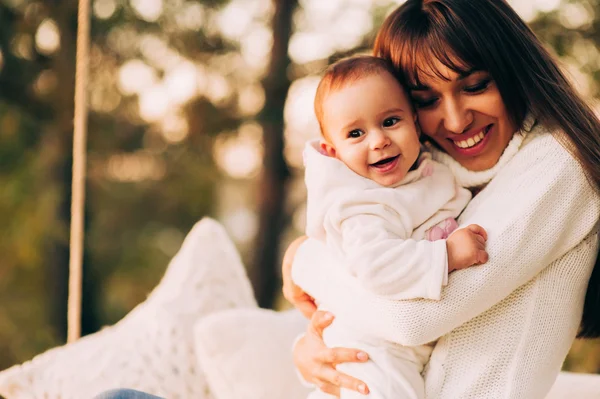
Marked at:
<point>471,141</point>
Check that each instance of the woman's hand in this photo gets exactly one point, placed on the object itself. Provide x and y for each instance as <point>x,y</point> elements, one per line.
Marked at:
<point>316,362</point>
<point>296,295</point>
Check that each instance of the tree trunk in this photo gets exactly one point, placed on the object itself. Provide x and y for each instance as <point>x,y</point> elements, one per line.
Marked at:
<point>272,188</point>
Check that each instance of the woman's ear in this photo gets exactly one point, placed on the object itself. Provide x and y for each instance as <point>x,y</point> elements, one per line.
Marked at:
<point>327,149</point>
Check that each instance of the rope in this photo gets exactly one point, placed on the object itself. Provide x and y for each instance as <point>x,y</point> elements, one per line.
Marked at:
<point>79,161</point>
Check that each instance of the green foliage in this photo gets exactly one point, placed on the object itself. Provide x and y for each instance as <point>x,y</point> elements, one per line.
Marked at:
<point>134,224</point>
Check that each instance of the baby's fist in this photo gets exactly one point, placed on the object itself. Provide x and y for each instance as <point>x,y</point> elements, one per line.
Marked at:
<point>466,247</point>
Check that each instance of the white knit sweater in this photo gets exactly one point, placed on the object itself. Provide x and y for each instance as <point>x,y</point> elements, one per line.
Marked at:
<point>505,326</point>
<point>380,231</point>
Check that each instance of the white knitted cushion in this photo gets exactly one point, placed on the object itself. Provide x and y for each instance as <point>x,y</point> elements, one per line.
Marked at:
<point>151,349</point>
<point>247,353</point>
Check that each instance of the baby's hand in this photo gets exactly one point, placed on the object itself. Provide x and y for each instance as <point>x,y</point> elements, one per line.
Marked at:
<point>466,247</point>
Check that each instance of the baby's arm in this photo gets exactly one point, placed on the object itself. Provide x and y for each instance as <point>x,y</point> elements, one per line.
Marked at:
<point>389,264</point>
<point>378,250</point>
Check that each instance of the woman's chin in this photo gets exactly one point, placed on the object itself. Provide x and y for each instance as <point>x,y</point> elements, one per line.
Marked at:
<point>483,160</point>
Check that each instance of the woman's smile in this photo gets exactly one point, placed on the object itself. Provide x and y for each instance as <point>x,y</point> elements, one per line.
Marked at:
<point>472,144</point>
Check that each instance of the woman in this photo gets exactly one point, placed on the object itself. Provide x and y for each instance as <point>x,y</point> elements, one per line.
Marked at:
<point>504,328</point>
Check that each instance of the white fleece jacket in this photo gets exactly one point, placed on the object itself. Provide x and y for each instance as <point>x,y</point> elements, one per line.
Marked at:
<point>378,231</point>
<point>504,328</point>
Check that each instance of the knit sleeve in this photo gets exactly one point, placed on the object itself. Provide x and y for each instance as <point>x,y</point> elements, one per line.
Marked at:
<point>377,249</point>
<point>536,209</point>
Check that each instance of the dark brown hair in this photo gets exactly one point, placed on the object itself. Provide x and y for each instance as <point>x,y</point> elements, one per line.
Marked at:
<point>347,71</point>
<point>488,35</point>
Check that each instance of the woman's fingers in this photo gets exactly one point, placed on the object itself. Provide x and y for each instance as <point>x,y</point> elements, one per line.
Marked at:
<point>336,356</point>
<point>306,305</point>
<point>319,321</point>
<point>300,299</point>
<point>328,358</point>
<point>328,388</point>
<point>332,380</point>
<point>317,363</point>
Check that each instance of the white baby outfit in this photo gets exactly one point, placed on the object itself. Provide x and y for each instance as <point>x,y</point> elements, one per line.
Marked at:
<point>381,232</point>
<point>505,326</point>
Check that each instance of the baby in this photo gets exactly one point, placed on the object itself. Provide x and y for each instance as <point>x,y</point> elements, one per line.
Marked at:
<point>382,204</point>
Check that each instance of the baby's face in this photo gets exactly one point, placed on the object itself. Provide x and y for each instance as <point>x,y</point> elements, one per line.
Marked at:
<point>370,126</point>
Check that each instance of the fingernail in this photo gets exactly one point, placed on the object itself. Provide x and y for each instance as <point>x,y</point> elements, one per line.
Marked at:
<point>328,316</point>
<point>362,356</point>
<point>363,388</point>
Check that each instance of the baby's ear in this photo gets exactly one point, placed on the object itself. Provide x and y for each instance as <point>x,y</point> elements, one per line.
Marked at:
<point>327,149</point>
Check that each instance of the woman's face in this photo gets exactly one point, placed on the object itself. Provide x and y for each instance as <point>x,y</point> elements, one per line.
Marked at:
<point>464,114</point>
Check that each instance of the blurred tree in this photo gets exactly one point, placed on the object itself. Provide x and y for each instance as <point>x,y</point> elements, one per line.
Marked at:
<point>50,122</point>
<point>149,178</point>
<point>273,182</point>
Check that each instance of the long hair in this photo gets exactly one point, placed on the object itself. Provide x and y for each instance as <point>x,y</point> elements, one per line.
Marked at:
<point>489,35</point>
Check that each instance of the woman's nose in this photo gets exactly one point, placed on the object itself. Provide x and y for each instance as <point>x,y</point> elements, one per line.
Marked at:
<point>457,117</point>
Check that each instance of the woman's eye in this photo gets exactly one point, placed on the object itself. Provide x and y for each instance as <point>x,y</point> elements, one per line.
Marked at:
<point>479,87</point>
<point>389,122</point>
<point>356,133</point>
<point>424,102</point>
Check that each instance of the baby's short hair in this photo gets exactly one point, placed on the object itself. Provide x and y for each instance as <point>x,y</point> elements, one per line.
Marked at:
<point>346,71</point>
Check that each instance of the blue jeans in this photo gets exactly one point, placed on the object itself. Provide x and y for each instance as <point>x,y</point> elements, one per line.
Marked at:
<point>125,394</point>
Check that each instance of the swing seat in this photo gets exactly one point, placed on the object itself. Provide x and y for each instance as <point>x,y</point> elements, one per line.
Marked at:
<point>199,335</point>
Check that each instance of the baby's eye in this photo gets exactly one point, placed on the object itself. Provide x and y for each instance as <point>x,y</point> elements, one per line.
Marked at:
<point>389,122</point>
<point>356,133</point>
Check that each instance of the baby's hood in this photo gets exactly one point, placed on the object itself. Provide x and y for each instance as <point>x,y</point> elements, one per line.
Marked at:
<point>328,180</point>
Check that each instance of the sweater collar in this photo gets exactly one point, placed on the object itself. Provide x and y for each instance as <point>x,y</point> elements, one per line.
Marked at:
<point>471,179</point>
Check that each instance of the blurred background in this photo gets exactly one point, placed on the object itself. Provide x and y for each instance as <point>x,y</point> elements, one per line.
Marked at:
<point>197,108</point>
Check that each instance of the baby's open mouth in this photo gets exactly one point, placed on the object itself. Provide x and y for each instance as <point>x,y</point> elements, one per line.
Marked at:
<point>384,162</point>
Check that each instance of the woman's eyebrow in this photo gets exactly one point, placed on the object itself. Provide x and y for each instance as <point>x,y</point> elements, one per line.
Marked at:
<point>465,74</point>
